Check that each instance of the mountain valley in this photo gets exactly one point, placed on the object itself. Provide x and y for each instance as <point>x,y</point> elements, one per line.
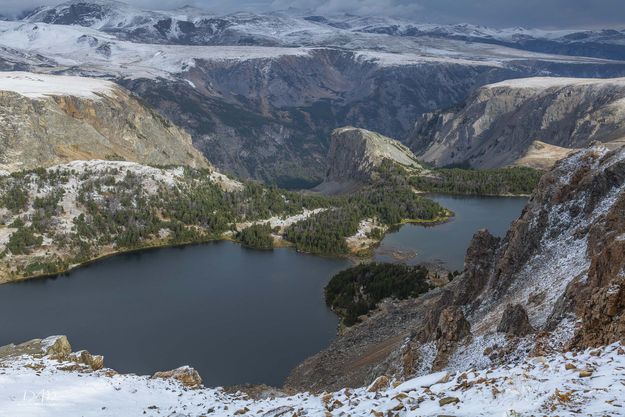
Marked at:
<point>261,107</point>
<point>256,171</point>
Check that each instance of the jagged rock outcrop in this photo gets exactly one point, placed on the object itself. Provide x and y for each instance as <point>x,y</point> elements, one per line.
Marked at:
<point>477,266</point>
<point>500,123</point>
<point>356,155</point>
<point>452,328</point>
<point>48,120</point>
<point>54,347</point>
<point>556,281</point>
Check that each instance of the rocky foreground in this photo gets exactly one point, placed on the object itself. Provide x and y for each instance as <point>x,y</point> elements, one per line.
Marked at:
<point>43,377</point>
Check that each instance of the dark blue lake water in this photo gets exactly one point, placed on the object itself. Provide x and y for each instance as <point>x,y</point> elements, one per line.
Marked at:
<point>236,315</point>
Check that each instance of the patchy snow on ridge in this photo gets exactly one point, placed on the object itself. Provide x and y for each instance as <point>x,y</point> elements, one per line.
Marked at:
<point>551,82</point>
<point>40,85</point>
<point>587,383</point>
<point>101,53</point>
<point>281,222</point>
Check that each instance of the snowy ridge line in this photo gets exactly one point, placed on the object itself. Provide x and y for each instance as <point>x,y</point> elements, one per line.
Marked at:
<point>100,52</point>
<point>564,384</point>
<point>114,15</point>
<point>38,86</point>
<point>550,82</point>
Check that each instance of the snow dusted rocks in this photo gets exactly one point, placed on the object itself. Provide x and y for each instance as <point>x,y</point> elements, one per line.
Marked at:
<point>186,375</point>
<point>589,382</point>
<point>56,347</point>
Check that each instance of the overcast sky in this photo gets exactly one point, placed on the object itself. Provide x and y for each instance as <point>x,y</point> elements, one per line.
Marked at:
<point>498,13</point>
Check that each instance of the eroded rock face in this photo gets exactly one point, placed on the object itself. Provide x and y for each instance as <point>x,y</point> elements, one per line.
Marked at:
<point>603,309</point>
<point>45,130</point>
<point>271,118</point>
<point>477,266</point>
<point>500,123</point>
<point>356,154</point>
<point>452,328</point>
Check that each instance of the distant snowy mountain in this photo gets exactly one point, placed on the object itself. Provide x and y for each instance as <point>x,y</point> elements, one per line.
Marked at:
<point>191,26</point>
<point>261,93</point>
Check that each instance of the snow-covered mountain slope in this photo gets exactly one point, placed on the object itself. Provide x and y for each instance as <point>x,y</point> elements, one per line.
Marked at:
<point>196,27</point>
<point>497,124</point>
<point>44,378</point>
<point>101,54</point>
<point>556,280</point>
<point>51,119</point>
<point>104,53</point>
<point>190,26</point>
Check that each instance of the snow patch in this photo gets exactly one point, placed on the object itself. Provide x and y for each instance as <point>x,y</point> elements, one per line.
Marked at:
<point>40,85</point>
<point>551,82</point>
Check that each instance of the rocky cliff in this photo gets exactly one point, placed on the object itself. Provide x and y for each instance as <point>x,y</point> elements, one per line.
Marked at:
<point>497,125</point>
<point>554,282</point>
<point>48,120</point>
<point>356,155</point>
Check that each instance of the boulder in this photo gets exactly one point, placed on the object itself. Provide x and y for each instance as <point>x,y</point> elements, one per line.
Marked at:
<point>186,375</point>
<point>515,321</point>
<point>380,383</point>
<point>56,347</point>
<point>95,362</point>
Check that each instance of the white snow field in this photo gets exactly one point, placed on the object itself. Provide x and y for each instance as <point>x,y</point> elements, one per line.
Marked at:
<point>550,82</point>
<point>95,52</point>
<point>40,85</point>
<point>590,383</point>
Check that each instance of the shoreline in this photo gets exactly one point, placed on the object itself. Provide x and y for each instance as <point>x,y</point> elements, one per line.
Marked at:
<point>363,255</point>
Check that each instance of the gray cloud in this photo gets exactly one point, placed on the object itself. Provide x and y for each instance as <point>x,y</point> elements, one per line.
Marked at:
<point>498,13</point>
